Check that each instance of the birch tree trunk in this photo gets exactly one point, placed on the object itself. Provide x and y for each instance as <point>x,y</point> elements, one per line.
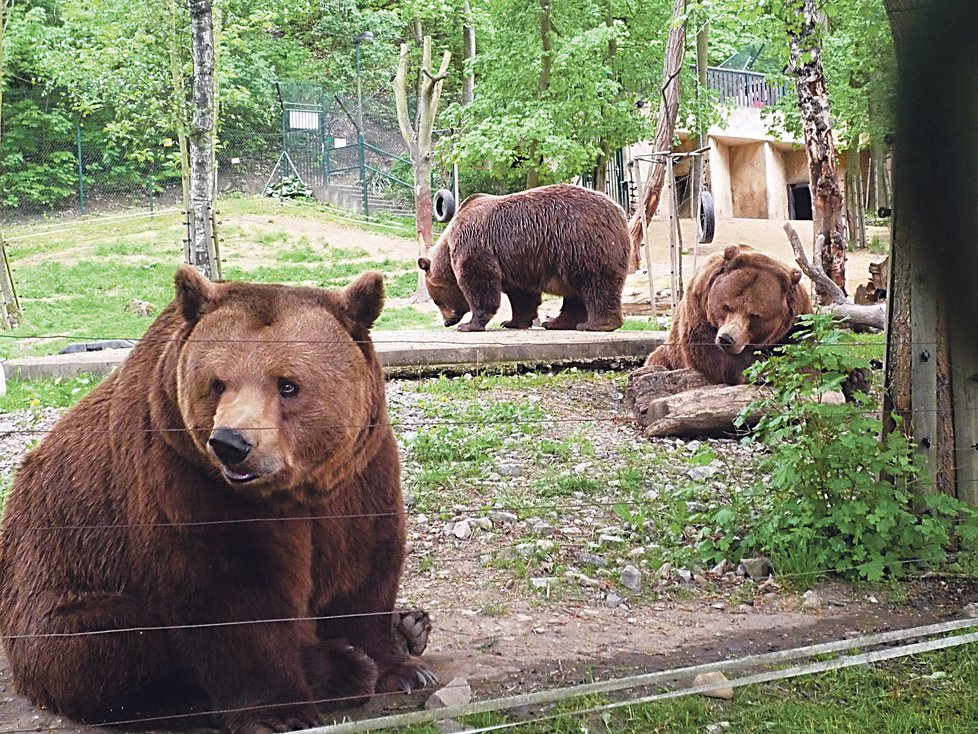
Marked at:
<point>201,138</point>
<point>418,139</point>
<point>668,110</point>
<point>828,207</point>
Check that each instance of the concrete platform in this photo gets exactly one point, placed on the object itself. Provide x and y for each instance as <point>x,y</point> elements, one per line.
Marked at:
<point>424,351</point>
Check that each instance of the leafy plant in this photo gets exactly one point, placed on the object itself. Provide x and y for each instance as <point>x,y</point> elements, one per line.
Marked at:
<point>833,496</point>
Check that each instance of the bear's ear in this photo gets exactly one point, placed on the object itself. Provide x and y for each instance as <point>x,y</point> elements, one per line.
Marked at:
<point>363,299</point>
<point>731,252</point>
<point>194,293</point>
<point>795,276</point>
<point>424,263</point>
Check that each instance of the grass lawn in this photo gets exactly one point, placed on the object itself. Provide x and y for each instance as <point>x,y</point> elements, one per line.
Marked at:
<point>77,283</point>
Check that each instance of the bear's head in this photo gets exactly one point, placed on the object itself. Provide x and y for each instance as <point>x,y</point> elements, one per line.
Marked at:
<point>439,278</point>
<point>279,387</point>
<point>753,300</point>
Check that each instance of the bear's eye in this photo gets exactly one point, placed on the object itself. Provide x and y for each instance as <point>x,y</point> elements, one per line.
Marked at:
<point>287,388</point>
<point>218,386</point>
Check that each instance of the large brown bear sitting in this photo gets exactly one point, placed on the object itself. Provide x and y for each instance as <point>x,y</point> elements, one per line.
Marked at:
<point>736,308</point>
<point>218,527</point>
<point>564,240</point>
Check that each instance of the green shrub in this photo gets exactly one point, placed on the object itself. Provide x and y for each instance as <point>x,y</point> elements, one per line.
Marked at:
<point>832,496</point>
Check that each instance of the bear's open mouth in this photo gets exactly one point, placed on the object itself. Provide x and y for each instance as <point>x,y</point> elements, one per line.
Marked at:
<point>237,477</point>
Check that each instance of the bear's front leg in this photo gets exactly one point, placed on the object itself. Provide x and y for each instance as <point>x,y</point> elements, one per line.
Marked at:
<point>481,284</point>
<point>253,674</point>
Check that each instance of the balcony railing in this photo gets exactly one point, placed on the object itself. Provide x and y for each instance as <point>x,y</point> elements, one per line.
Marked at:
<point>743,88</point>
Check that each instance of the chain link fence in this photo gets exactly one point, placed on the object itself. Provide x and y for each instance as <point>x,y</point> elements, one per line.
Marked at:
<point>58,168</point>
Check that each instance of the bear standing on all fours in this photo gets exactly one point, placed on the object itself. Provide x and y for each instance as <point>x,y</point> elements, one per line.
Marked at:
<point>231,496</point>
<point>564,240</point>
<point>737,307</point>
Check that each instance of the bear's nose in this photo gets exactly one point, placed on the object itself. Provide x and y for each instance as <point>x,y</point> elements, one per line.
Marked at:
<point>725,340</point>
<point>229,445</point>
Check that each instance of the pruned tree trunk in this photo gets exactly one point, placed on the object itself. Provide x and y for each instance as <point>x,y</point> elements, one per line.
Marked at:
<point>468,53</point>
<point>828,207</point>
<point>668,110</point>
<point>418,139</point>
<point>201,138</point>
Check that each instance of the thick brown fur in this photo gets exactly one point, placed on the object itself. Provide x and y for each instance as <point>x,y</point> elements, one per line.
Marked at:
<point>737,307</point>
<point>124,517</point>
<point>563,240</point>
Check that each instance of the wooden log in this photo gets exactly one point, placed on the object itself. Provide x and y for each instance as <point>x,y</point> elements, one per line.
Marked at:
<point>682,403</point>
<point>647,384</point>
<point>702,411</point>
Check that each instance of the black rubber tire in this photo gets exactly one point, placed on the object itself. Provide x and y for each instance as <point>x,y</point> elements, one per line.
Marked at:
<point>883,212</point>
<point>443,205</point>
<point>708,218</point>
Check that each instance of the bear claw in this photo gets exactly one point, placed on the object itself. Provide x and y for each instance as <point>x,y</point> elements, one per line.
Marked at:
<point>413,629</point>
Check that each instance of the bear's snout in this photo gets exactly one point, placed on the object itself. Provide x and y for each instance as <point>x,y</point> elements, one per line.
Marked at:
<point>230,446</point>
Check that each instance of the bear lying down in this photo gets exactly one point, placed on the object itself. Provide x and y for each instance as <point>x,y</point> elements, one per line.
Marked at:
<point>239,467</point>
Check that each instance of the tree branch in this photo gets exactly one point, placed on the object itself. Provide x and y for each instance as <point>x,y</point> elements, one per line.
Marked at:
<point>855,316</point>
<point>823,284</point>
<point>400,96</point>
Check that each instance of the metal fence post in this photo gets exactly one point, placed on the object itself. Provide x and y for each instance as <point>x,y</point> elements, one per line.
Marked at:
<point>81,168</point>
<point>362,160</point>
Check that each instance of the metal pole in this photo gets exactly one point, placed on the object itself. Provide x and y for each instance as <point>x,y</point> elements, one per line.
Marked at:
<point>151,193</point>
<point>645,231</point>
<point>81,169</point>
<point>361,153</point>
<point>673,245</point>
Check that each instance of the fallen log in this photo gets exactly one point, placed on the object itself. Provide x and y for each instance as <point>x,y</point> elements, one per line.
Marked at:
<point>682,403</point>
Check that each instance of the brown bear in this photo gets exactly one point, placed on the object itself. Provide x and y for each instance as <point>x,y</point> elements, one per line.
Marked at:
<point>561,239</point>
<point>218,527</point>
<point>737,307</point>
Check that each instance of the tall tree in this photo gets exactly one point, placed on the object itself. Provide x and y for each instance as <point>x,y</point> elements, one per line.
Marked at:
<point>468,53</point>
<point>803,24</point>
<point>665,128</point>
<point>418,137</point>
<point>546,71</point>
<point>201,137</point>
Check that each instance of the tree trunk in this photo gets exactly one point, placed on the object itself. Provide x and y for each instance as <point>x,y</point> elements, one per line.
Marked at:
<point>468,53</point>
<point>201,138</point>
<point>600,178</point>
<point>179,91</point>
<point>546,69</point>
<point>419,140</point>
<point>668,110</point>
<point>932,355</point>
<point>828,208</point>
<point>854,198</point>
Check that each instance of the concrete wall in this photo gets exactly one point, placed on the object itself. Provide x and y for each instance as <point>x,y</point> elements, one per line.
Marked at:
<point>748,179</point>
<point>719,178</point>
<point>777,182</point>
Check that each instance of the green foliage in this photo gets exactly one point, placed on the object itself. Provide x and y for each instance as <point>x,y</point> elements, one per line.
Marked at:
<point>834,496</point>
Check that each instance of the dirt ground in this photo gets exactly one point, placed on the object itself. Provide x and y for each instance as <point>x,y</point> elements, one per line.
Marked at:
<point>504,637</point>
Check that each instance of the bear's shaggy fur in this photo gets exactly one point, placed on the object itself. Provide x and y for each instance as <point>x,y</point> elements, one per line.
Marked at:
<point>564,240</point>
<point>737,307</point>
<point>230,499</point>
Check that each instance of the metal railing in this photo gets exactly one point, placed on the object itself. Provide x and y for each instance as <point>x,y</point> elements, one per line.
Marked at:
<point>744,88</point>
